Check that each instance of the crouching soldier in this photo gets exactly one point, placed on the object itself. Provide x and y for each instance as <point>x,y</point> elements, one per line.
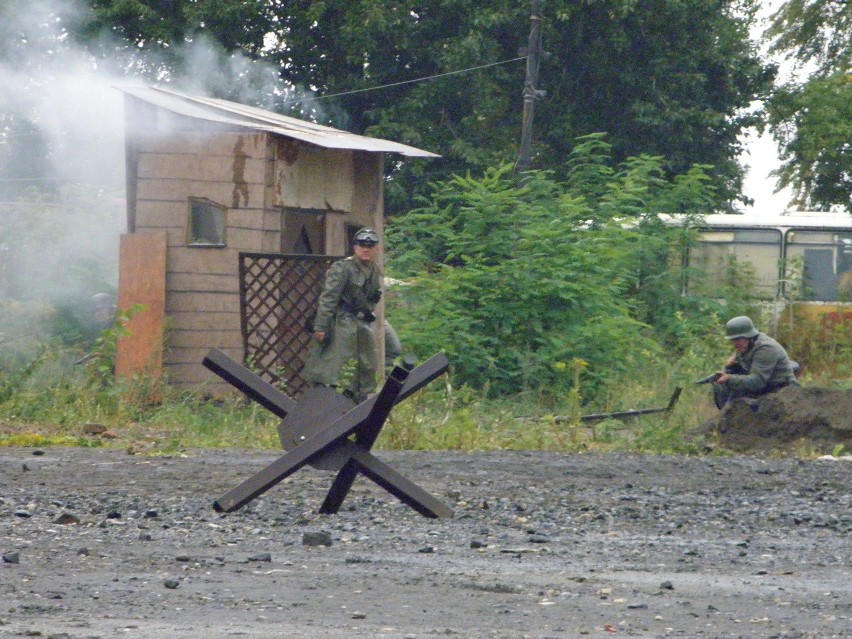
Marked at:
<point>759,366</point>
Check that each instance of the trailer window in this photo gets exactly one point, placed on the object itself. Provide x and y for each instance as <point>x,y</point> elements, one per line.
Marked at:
<point>716,250</point>
<point>825,261</point>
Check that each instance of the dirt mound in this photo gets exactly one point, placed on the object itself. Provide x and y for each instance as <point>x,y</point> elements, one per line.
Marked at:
<point>816,417</point>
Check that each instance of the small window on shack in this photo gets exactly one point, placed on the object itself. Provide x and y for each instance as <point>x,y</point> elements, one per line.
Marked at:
<point>206,225</point>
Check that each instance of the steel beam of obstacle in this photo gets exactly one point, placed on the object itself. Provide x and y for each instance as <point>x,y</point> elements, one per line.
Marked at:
<point>330,440</point>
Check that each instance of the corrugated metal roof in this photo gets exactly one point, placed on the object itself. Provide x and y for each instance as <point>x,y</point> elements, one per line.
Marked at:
<point>241,115</point>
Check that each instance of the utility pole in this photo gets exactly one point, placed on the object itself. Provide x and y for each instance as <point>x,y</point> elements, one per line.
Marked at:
<point>531,93</point>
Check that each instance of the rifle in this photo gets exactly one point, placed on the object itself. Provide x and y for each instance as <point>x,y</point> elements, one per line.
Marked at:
<point>710,379</point>
<point>596,417</point>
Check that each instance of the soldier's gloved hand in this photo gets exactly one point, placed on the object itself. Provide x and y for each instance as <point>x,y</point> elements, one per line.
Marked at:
<point>319,335</point>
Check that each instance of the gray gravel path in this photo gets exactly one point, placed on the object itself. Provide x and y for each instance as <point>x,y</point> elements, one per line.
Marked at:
<point>99,543</point>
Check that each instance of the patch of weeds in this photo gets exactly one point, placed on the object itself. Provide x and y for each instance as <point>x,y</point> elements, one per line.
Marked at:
<point>37,440</point>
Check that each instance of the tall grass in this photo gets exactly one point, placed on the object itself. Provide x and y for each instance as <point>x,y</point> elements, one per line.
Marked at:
<point>50,400</point>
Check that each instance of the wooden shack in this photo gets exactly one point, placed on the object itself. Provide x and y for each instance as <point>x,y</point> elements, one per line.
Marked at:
<point>209,179</point>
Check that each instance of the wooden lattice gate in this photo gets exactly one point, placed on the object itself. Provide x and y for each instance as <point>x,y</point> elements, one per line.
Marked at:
<point>277,295</point>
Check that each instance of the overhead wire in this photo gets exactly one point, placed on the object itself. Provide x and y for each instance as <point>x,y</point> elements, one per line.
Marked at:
<point>322,97</point>
<point>396,84</point>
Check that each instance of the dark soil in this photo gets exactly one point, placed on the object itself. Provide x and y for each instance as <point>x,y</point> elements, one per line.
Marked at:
<point>100,543</point>
<point>814,419</point>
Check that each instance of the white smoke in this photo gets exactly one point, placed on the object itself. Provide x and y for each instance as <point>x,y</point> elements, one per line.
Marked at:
<point>62,123</point>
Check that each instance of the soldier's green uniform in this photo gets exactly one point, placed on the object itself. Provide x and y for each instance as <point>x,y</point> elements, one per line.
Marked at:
<point>345,313</point>
<point>763,368</point>
<point>766,367</point>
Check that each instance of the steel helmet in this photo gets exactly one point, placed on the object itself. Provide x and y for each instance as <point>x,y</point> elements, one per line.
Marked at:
<point>367,237</point>
<point>741,326</point>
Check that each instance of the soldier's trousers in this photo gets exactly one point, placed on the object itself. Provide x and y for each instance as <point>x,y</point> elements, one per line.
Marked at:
<point>722,395</point>
<point>350,339</point>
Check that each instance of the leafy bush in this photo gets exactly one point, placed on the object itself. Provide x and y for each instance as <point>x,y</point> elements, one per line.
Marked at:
<point>514,280</point>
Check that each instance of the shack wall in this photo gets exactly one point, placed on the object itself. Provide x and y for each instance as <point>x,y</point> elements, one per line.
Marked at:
<point>253,175</point>
<point>202,283</point>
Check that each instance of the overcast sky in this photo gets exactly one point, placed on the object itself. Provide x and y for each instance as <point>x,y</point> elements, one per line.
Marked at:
<point>761,153</point>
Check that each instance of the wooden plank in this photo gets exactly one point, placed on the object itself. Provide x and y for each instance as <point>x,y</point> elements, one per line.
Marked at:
<point>175,235</point>
<point>188,375</point>
<point>199,301</point>
<point>221,261</point>
<point>179,190</point>
<point>162,213</point>
<point>189,350</point>
<point>167,213</point>
<point>185,320</point>
<point>202,337</point>
<point>247,240</point>
<point>186,282</point>
<point>181,358</point>
<point>207,142</point>
<point>236,239</point>
<point>142,280</point>
<point>203,167</point>
<point>272,220</point>
<point>271,242</point>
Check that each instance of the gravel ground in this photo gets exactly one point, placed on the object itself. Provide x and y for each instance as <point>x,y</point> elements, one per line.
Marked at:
<point>100,543</point>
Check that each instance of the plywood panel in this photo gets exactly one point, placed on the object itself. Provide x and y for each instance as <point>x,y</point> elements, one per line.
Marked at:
<point>142,280</point>
<point>367,201</point>
<point>315,179</point>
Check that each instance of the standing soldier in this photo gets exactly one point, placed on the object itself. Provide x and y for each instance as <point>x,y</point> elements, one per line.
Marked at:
<point>343,327</point>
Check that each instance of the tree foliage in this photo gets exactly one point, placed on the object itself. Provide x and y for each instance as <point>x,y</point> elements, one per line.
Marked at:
<point>810,119</point>
<point>516,282</point>
<point>672,78</point>
<point>815,32</point>
<point>813,124</point>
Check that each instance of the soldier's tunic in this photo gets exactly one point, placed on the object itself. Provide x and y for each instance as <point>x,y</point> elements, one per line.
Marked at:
<point>345,313</point>
<point>764,368</point>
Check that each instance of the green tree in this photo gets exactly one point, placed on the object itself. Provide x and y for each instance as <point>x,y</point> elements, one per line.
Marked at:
<point>810,118</point>
<point>816,32</point>
<point>813,124</point>
<point>515,282</point>
<point>672,78</point>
